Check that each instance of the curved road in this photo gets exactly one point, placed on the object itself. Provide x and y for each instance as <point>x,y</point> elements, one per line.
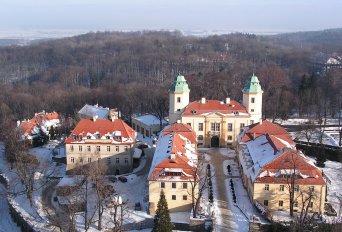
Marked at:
<point>6,222</point>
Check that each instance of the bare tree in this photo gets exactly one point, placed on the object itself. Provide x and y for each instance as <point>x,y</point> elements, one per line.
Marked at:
<point>119,210</point>
<point>198,183</point>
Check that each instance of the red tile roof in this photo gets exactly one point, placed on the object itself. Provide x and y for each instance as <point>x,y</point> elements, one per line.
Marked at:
<point>267,128</point>
<point>288,161</point>
<point>103,127</point>
<point>197,108</point>
<point>37,120</point>
<point>183,129</point>
<point>180,161</point>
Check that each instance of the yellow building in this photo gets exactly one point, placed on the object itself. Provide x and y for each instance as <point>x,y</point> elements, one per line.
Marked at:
<point>271,168</point>
<point>216,123</point>
<point>147,125</point>
<point>100,140</point>
<point>173,171</point>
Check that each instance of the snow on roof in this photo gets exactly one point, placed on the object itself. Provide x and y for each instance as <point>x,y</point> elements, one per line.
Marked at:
<point>137,153</point>
<point>70,181</point>
<point>162,151</point>
<point>90,111</point>
<point>261,152</point>
<point>149,120</point>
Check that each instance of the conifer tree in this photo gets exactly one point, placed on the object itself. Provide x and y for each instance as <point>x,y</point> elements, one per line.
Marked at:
<point>162,220</point>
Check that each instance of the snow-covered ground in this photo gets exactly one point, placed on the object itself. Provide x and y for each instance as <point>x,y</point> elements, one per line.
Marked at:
<point>314,137</point>
<point>6,222</point>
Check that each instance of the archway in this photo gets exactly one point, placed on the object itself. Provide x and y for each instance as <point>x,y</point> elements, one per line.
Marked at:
<point>215,141</point>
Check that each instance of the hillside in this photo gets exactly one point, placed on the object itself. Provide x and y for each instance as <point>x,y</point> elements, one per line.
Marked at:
<point>133,70</point>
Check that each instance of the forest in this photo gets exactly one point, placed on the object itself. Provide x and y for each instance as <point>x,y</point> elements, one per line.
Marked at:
<point>132,71</point>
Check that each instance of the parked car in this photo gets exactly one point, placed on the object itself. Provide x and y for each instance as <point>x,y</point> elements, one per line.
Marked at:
<point>137,206</point>
<point>142,145</point>
<point>122,179</point>
<point>112,179</point>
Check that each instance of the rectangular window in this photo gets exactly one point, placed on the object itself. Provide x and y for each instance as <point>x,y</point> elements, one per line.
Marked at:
<point>178,110</point>
<point>88,148</point>
<point>98,148</point>
<point>117,160</point>
<point>162,185</point>
<point>311,189</point>
<point>281,188</point>
<point>200,137</point>
<point>280,203</point>
<point>188,123</point>
<point>252,110</point>
<point>185,185</point>
<point>242,125</point>
<point>230,126</point>
<point>108,160</point>
<point>117,148</point>
<point>71,148</point>
<point>178,99</point>
<point>185,197</point>
<point>174,197</point>
<point>267,187</point>
<point>89,159</point>
<point>253,100</point>
<point>230,138</point>
<point>200,126</point>
<point>126,148</point>
<point>265,202</point>
<point>173,185</point>
<point>72,159</point>
<point>215,126</point>
<point>296,188</point>
<point>126,160</point>
<point>108,148</point>
<point>79,148</point>
<point>252,121</point>
<point>81,160</point>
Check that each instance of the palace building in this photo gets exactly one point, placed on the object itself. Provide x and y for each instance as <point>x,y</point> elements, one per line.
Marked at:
<point>216,123</point>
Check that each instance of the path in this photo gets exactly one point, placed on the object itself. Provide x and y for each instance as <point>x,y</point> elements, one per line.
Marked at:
<point>149,157</point>
<point>223,215</point>
<point>6,222</point>
<point>228,217</point>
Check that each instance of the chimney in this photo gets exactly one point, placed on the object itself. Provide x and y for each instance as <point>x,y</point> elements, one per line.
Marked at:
<point>227,100</point>
<point>172,157</point>
<point>203,100</point>
<point>94,118</point>
<point>254,134</point>
<point>260,121</point>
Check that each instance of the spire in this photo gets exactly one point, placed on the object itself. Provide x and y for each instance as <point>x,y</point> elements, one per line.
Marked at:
<point>179,85</point>
<point>252,85</point>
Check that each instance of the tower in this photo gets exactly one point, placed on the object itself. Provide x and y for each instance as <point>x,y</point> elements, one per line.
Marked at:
<point>252,98</point>
<point>179,98</point>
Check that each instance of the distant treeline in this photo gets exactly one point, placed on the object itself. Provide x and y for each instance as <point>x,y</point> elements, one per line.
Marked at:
<point>133,71</point>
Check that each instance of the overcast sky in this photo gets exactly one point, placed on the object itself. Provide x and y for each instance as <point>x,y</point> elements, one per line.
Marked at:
<point>257,16</point>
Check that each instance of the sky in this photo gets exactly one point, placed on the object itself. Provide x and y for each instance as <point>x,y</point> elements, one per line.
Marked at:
<point>254,16</point>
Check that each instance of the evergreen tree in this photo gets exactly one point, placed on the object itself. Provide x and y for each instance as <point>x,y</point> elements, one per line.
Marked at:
<point>162,220</point>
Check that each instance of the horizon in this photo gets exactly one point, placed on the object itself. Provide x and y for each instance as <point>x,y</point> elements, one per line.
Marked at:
<point>30,18</point>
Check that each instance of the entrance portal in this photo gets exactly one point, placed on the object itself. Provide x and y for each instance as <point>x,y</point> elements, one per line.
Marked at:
<point>215,141</point>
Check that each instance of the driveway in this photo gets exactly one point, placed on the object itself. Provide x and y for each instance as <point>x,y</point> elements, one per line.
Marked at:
<point>6,222</point>
<point>227,216</point>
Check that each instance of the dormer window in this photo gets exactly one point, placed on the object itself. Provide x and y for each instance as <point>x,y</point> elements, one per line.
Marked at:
<point>88,137</point>
<point>107,137</point>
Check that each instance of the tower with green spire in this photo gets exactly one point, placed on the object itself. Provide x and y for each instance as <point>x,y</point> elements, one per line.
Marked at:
<point>252,98</point>
<point>179,98</point>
